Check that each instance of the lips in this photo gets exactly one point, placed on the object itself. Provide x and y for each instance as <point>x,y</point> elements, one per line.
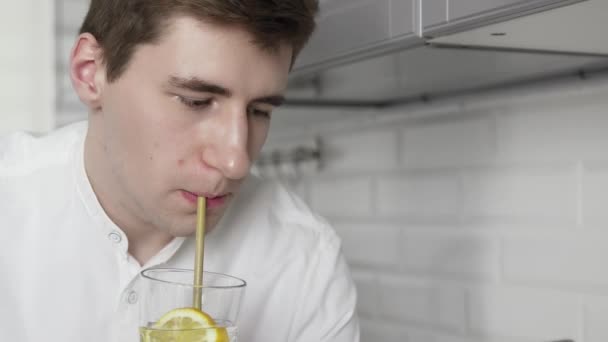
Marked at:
<point>213,201</point>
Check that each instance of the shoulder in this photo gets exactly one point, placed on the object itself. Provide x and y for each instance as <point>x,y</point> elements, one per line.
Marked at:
<point>36,171</point>
<point>287,214</point>
<point>301,254</point>
<point>272,228</point>
<point>22,154</point>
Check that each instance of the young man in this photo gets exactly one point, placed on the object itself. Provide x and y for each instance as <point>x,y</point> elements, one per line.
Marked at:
<point>180,94</point>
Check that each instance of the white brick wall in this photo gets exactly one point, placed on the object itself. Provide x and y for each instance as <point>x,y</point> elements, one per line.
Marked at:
<point>456,254</point>
<point>524,313</point>
<point>349,197</point>
<point>420,195</point>
<point>572,259</point>
<point>476,219</point>
<point>362,151</point>
<point>595,194</point>
<point>383,244</point>
<point>422,303</point>
<point>596,311</point>
<point>515,194</point>
<point>449,142</point>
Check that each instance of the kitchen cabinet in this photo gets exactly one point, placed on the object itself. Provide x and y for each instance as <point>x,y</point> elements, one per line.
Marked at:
<point>465,8</point>
<point>347,28</point>
<point>440,17</point>
<point>433,12</point>
<point>353,30</point>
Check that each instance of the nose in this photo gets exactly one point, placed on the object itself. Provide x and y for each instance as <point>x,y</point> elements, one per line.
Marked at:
<point>227,144</point>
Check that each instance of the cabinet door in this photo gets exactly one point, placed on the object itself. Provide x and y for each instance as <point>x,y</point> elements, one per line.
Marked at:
<point>347,27</point>
<point>403,17</point>
<point>433,12</point>
<point>465,8</point>
<point>466,14</point>
<point>344,25</point>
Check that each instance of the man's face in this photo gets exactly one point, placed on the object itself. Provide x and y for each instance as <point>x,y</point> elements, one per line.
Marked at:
<point>186,118</point>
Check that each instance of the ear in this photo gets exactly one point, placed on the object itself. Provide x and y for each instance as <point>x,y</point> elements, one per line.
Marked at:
<point>87,70</point>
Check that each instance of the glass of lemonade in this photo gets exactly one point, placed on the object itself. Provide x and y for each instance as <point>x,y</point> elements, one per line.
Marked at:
<point>167,313</point>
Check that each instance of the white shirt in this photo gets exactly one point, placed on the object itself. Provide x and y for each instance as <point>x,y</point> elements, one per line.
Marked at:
<point>66,275</point>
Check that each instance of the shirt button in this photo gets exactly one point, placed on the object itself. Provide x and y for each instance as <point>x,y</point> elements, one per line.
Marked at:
<point>132,298</point>
<point>115,237</point>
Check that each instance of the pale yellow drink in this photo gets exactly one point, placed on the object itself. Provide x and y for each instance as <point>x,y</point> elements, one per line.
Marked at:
<point>217,334</point>
<point>187,325</point>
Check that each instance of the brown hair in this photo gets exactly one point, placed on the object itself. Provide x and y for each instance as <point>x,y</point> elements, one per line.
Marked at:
<point>120,25</point>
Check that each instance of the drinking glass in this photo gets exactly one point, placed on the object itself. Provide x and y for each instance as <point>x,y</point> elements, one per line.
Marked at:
<point>167,289</point>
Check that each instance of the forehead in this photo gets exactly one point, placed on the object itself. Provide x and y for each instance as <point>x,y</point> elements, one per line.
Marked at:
<point>221,53</point>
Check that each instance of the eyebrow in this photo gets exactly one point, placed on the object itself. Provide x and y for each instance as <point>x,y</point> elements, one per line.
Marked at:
<point>201,86</point>
<point>275,100</point>
<point>198,85</point>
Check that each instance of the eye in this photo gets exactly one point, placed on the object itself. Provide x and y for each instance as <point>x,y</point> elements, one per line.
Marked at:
<point>259,113</point>
<point>194,103</point>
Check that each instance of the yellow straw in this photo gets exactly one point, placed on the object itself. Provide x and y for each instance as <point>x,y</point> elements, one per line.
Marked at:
<point>199,254</point>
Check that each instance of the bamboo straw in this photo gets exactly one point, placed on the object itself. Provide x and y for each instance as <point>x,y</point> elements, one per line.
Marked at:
<point>199,254</point>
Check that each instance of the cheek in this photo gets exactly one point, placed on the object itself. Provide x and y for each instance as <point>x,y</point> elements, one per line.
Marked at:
<point>136,144</point>
<point>126,130</point>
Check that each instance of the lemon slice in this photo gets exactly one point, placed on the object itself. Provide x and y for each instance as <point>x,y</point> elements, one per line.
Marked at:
<point>187,325</point>
<point>184,318</point>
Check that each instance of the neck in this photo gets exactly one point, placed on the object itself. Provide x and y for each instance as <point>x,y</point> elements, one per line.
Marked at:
<point>146,247</point>
<point>145,241</point>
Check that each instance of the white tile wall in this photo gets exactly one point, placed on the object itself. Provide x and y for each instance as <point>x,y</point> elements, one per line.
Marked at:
<point>516,194</point>
<point>380,331</point>
<point>360,151</point>
<point>577,130</point>
<point>383,244</point>
<point>479,219</point>
<point>575,259</point>
<point>449,142</point>
<point>596,311</point>
<point>420,195</point>
<point>420,303</point>
<point>348,197</point>
<point>595,195</point>
<point>524,313</point>
<point>455,254</point>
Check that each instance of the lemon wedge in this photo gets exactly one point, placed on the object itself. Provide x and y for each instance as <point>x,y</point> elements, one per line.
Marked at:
<point>185,325</point>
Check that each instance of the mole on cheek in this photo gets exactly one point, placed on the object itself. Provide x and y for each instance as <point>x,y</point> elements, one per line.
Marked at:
<point>180,162</point>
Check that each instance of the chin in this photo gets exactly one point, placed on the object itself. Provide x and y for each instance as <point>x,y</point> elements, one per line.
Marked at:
<point>189,231</point>
<point>183,234</point>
